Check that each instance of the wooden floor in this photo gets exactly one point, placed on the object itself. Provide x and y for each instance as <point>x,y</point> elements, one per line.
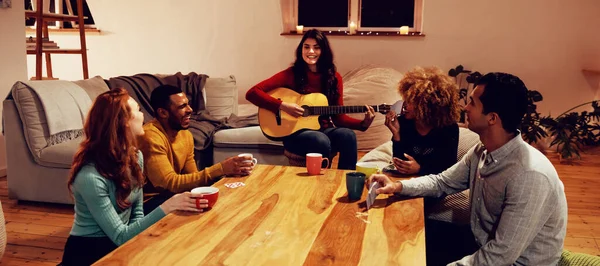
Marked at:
<point>37,232</point>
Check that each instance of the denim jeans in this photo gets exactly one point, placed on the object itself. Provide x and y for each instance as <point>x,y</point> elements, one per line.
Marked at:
<point>82,250</point>
<point>327,142</point>
<point>447,242</point>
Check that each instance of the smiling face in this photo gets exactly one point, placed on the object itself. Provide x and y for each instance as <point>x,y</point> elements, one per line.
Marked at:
<point>180,112</point>
<point>137,118</point>
<point>311,52</point>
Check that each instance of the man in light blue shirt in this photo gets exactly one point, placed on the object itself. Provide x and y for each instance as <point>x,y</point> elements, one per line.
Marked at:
<point>518,204</point>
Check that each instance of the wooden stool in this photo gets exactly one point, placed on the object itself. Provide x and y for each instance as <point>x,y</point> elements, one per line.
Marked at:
<point>295,159</point>
<point>300,160</point>
<point>2,233</point>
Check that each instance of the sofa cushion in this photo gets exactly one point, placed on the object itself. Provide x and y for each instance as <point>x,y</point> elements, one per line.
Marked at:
<point>33,117</point>
<point>246,109</point>
<point>94,86</point>
<point>382,155</point>
<point>222,96</point>
<point>245,137</point>
<point>453,208</point>
<point>371,85</point>
<point>60,155</point>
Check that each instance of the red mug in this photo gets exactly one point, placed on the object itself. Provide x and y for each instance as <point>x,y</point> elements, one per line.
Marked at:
<point>314,162</point>
<point>211,194</point>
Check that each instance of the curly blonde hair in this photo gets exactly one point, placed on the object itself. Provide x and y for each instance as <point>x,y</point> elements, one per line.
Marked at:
<point>433,94</point>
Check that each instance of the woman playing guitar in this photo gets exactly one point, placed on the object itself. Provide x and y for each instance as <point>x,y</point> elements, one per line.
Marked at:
<point>314,71</point>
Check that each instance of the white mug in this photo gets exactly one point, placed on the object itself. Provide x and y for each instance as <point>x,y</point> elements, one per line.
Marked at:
<point>253,160</point>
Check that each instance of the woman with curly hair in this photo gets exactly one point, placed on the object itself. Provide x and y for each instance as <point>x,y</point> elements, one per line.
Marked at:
<point>425,135</point>
<point>106,182</point>
<point>314,71</point>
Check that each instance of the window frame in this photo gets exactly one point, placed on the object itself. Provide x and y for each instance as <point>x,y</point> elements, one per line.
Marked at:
<point>354,16</point>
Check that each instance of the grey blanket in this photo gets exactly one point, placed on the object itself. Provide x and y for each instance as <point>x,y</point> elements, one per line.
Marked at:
<point>203,126</point>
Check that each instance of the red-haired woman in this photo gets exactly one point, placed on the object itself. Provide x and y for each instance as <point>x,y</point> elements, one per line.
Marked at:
<point>106,182</point>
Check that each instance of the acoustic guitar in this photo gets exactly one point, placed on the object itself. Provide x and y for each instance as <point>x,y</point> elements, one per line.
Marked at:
<point>276,126</point>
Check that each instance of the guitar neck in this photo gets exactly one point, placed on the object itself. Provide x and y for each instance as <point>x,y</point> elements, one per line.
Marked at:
<point>336,110</point>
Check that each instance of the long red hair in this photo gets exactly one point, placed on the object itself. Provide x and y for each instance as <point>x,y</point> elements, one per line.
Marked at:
<point>110,145</point>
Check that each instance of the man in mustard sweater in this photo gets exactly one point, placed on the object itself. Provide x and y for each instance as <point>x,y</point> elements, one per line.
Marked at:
<point>168,149</point>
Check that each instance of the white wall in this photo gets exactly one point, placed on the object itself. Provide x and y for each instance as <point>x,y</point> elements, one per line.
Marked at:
<point>12,57</point>
<point>545,42</point>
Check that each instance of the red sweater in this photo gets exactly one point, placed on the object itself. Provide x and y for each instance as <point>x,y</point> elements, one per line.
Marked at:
<point>285,78</point>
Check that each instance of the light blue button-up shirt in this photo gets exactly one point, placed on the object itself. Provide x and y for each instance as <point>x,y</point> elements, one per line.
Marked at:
<point>518,204</point>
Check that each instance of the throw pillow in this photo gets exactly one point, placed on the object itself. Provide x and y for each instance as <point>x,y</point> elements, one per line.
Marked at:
<point>372,85</point>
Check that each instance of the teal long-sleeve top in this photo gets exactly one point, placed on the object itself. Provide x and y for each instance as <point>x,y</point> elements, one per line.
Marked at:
<point>97,213</point>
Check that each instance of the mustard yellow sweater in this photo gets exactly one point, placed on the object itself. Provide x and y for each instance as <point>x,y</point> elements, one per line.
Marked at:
<point>169,163</point>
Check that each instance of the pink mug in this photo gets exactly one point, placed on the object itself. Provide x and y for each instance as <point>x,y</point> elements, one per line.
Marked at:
<point>314,162</point>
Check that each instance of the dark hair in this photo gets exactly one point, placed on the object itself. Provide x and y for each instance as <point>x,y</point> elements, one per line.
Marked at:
<point>325,65</point>
<point>110,145</point>
<point>160,97</point>
<point>506,95</point>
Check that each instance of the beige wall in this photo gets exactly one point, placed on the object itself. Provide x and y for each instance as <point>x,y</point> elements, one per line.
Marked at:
<point>12,57</point>
<point>546,43</point>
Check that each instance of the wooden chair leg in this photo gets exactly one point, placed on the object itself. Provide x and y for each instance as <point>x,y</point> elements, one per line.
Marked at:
<point>38,41</point>
<point>47,55</point>
<point>81,25</point>
<point>70,12</point>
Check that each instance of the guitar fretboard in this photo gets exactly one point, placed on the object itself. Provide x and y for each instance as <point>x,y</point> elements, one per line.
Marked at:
<point>335,110</point>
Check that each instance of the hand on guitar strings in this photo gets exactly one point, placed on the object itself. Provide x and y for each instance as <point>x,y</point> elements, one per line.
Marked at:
<point>292,109</point>
<point>369,116</point>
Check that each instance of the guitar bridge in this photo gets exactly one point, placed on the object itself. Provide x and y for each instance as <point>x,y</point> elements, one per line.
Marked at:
<point>278,116</point>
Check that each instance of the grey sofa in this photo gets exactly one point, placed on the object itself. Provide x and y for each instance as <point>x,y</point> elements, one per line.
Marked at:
<point>38,170</point>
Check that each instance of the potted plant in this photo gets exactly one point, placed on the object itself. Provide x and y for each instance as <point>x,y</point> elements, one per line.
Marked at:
<point>573,130</point>
<point>464,86</point>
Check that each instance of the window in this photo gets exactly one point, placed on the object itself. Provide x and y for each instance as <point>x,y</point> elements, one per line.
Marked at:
<point>68,7</point>
<point>323,13</point>
<point>367,15</point>
<point>387,13</point>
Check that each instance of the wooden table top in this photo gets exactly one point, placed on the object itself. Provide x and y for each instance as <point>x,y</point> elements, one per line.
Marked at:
<point>284,217</point>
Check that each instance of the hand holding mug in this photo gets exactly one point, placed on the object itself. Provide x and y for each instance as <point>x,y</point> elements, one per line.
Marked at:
<point>238,165</point>
<point>205,197</point>
<point>248,159</point>
<point>184,202</point>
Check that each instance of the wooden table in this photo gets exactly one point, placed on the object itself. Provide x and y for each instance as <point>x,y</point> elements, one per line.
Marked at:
<point>284,217</point>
